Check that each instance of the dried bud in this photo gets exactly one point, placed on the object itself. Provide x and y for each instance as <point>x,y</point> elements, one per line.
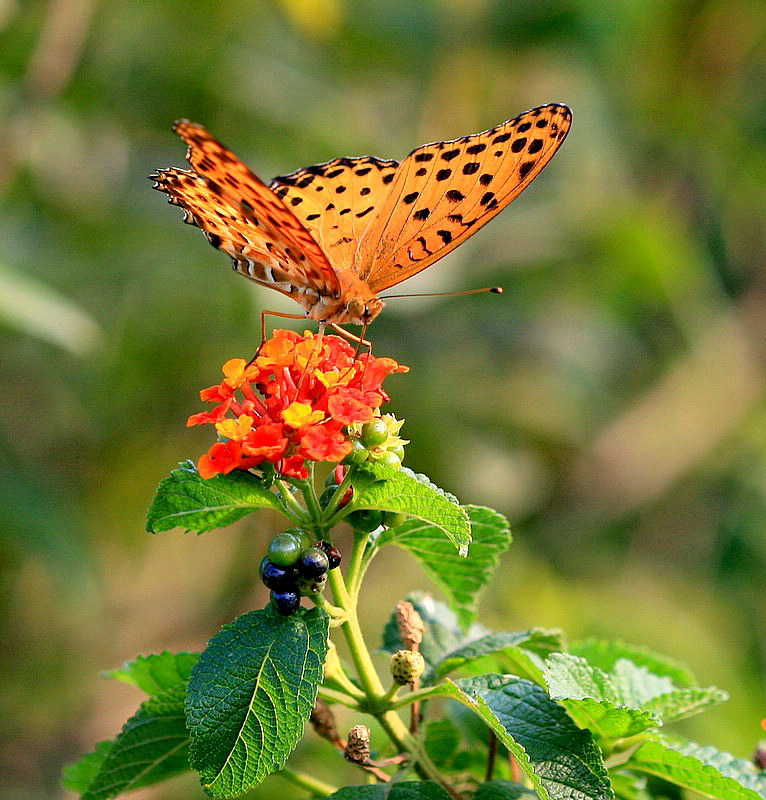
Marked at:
<point>323,721</point>
<point>407,666</point>
<point>358,745</point>
<point>410,624</point>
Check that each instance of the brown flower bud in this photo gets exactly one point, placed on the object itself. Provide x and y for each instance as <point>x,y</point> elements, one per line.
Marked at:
<point>358,745</point>
<point>407,666</point>
<point>323,721</point>
<point>410,624</point>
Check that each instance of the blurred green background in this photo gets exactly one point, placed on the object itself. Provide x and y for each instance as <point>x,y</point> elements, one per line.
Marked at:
<point>612,402</point>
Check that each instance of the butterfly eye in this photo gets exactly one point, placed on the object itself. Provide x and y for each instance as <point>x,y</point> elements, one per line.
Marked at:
<point>357,308</point>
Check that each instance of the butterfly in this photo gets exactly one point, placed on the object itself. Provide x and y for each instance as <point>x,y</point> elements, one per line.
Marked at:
<point>333,236</point>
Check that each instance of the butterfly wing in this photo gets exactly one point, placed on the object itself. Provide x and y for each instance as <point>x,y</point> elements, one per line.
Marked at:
<point>337,200</point>
<point>232,230</point>
<point>232,181</point>
<point>444,192</point>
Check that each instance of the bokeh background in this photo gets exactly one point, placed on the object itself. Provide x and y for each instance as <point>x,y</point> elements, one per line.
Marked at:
<point>612,402</point>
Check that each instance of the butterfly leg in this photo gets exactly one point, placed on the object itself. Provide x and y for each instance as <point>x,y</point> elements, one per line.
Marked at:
<point>350,336</point>
<point>317,349</point>
<point>264,314</point>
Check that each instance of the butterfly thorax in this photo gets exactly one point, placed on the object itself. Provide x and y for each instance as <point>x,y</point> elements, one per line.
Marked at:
<point>352,302</point>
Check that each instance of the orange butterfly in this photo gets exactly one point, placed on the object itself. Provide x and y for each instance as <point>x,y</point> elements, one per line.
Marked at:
<point>334,235</point>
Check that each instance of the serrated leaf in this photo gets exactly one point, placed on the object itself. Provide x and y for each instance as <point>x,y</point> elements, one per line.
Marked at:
<point>185,500</point>
<point>461,580</point>
<point>604,653</point>
<point>152,747</point>
<point>250,695</point>
<point>78,777</point>
<point>382,488</point>
<point>404,790</point>
<point>502,790</point>
<point>623,702</point>
<point>704,770</point>
<point>155,673</point>
<point>560,760</point>
<point>441,740</point>
<point>519,650</point>
<point>682,703</point>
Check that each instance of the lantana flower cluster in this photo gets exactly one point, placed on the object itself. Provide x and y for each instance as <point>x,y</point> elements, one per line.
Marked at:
<point>301,399</point>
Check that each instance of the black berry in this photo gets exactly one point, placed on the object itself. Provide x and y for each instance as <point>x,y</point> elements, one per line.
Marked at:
<point>314,563</point>
<point>286,603</point>
<point>333,556</point>
<point>279,579</point>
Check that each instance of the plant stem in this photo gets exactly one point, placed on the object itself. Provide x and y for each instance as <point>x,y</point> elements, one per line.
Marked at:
<point>415,697</point>
<point>307,782</point>
<point>339,698</point>
<point>332,506</point>
<point>299,513</point>
<point>354,571</point>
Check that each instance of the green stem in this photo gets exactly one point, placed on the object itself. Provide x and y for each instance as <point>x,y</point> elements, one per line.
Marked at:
<point>299,513</point>
<point>334,697</point>
<point>420,694</point>
<point>308,782</point>
<point>354,572</point>
<point>328,517</point>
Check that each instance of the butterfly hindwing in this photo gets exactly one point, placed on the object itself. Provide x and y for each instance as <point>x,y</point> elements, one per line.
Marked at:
<point>444,192</point>
<point>337,200</point>
<point>232,179</point>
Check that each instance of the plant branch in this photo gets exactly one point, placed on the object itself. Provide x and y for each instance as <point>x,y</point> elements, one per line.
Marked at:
<point>332,696</point>
<point>308,782</point>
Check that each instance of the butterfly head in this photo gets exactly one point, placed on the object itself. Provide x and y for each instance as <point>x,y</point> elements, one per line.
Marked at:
<point>363,310</point>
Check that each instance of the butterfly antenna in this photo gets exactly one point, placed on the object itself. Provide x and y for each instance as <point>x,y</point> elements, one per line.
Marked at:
<point>492,289</point>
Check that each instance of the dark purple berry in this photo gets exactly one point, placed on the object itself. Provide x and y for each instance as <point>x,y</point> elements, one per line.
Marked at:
<point>279,579</point>
<point>286,603</point>
<point>314,563</point>
<point>365,520</point>
<point>332,553</point>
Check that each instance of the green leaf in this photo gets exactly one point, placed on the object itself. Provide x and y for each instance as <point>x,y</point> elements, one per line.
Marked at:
<point>441,740</point>
<point>704,770</point>
<point>152,747</point>
<point>623,702</point>
<point>185,500</point>
<point>461,581</point>
<point>502,790</point>
<point>385,489</point>
<point>155,673</point>
<point>605,653</point>
<point>560,760</point>
<point>250,695</point>
<point>405,790</point>
<point>78,777</point>
<point>519,653</point>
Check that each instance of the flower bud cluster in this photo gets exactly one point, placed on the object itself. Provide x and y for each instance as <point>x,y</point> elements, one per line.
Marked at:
<point>303,398</point>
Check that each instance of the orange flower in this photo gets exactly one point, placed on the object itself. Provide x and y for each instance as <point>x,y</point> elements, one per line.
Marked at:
<point>267,443</point>
<point>348,406</point>
<point>320,443</point>
<point>221,459</point>
<point>300,415</point>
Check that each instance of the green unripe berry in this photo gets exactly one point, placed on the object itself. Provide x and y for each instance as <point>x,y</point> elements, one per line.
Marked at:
<point>374,433</point>
<point>327,495</point>
<point>359,452</point>
<point>285,549</point>
<point>365,520</point>
<point>398,451</point>
<point>407,666</point>
<point>389,459</point>
<point>393,518</point>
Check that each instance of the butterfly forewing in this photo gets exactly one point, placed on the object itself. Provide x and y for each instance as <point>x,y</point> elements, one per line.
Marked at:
<point>336,201</point>
<point>444,192</point>
<point>231,178</point>
<point>254,253</point>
